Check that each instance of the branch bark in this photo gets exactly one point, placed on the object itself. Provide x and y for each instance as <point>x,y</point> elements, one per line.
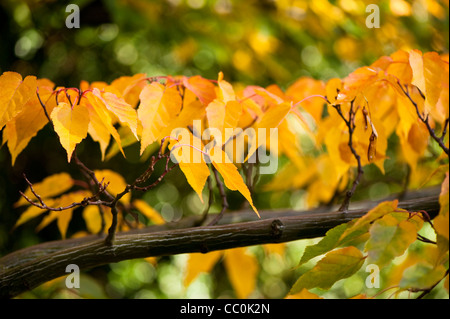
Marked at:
<point>28,268</point>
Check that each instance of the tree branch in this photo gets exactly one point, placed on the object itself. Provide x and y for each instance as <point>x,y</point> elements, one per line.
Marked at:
<point>27,268</point>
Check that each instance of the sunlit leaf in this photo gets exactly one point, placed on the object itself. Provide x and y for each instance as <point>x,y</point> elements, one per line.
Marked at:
<point>15,93</point>
<point>230,174</point>
<point>23,127</point>
<point>71,125</point>
<point>159,106</point>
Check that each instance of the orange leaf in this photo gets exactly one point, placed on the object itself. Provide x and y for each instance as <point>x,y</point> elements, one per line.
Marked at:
<point>201,87</point>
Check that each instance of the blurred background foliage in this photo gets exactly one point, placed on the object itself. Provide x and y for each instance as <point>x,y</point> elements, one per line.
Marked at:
<point>253,42</point>
<point>259,42</point>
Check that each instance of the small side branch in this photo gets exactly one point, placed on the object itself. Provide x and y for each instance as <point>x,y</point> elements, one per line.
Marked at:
<point>86,201</point>
<point>425,120</point>
<point>350,122</point>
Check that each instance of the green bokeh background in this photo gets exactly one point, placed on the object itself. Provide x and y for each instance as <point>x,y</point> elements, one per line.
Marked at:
<point>252,42</point>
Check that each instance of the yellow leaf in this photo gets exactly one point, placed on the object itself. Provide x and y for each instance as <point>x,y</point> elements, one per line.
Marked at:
<point>333,87</point>
<point>98,130</point>
<point>159,106</point>
<point>130,87</point>
<point>92,218</point>
<point>50,186</point>
<point>101,121</point>
<point>71,125</point>
<point>305,87</point>
<point>63,217</point>
<point>242,270</point>
<point>269,120</point>
<point>215,113</point>
<point>22,128</point>
<point>229,172</point>
<point>190,112</point>
<point>278,249</point>
<point>200,263</point>
<point>124,112</point>
<point>15,93</point>
<point>148,211</point>
<point>226,92</point>
<point>30,213</point>
<point>223,116</point>
<point>196,175</point>
<point>400,67</point>
<point>191,161</point>
<point>427,75</point>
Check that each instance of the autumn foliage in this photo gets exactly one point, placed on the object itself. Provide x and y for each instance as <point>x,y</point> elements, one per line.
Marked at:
<point>349,123</point>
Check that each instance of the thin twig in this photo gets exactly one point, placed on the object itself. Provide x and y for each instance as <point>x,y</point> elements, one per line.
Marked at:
<point>351,128</point>
<point>86,201</point>
<point>425,119</point>
<point>43,106</point>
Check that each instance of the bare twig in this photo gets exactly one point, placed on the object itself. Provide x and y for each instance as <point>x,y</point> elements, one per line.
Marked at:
<point>43,106</point>
<point>86,201</point>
